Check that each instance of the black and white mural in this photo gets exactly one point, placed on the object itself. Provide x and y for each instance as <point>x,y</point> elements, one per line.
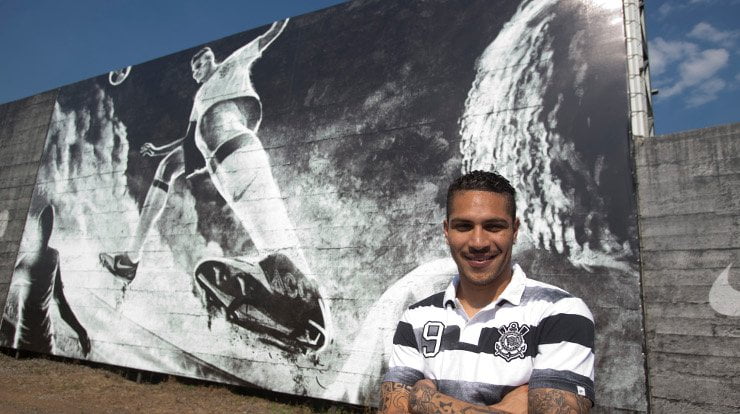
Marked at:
<point>260,210</point>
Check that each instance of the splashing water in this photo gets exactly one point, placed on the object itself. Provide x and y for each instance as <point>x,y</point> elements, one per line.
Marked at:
<point>507,127</point>
<point>82,174</point>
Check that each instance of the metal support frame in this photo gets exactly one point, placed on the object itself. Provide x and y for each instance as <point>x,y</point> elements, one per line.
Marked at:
<point>638,70</point>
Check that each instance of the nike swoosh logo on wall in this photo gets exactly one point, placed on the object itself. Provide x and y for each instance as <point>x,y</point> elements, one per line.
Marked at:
<point>723,298</point>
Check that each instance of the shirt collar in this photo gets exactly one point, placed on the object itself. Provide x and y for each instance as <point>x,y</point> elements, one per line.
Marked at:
<point>451,292</point>
<point>512,293</point>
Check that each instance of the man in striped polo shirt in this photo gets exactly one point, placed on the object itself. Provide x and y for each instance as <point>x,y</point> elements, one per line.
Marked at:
<point>494,341</point>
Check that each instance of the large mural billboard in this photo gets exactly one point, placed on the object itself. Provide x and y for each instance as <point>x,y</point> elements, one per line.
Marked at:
<point>261,209</point>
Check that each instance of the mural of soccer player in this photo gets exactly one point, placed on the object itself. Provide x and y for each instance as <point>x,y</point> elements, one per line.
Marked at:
<point>36,282</point>
<point>224,121</point>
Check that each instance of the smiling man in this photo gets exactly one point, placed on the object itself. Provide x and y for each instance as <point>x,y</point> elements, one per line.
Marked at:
<point>494,340</point>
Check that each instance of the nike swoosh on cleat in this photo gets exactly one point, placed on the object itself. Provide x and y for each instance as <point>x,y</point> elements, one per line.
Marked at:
<point>723,298</point>
<point>123,266</point>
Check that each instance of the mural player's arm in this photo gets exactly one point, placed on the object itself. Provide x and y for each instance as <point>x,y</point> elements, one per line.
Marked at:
<point>255,48</point>
<point>424,398</point>
<point>151,150</point>
<point>271,34</point>
<point>66,313</point>
<point>23,292</point>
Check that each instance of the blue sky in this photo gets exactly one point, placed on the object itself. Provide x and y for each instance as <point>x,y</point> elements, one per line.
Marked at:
<point>50,43</point>
<point>694,45</point>
<point>694,50</point>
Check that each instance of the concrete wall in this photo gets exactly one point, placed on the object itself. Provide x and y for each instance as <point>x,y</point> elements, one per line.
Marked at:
<point>689,199</point>
<point>23,126</point>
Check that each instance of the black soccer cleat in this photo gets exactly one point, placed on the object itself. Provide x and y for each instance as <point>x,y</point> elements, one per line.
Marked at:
<point>294,310</point>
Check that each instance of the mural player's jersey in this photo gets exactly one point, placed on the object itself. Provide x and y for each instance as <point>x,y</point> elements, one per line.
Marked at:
<point>533,333</point>
<point>230,81</point>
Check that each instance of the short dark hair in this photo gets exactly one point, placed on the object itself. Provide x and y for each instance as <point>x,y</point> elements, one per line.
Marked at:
<point>483,181</point>
<point>200,53</point>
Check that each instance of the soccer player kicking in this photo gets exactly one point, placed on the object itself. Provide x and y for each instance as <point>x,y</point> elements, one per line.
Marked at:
<point>224,120</point>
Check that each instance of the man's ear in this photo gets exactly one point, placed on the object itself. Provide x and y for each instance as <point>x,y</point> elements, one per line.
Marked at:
<point>516,228</point>
<point>446,227</point>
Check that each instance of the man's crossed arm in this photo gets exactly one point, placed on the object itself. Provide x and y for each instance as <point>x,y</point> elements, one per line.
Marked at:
<point>551,400</point>
<point>423,398</point>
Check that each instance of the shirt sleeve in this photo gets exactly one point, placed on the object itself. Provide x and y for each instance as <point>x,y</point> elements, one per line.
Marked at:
<point>406,365</point>
<point>245,55</point>
<point>565,343</point>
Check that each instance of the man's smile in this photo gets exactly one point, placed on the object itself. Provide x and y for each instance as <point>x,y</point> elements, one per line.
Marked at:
<point>479,260</point>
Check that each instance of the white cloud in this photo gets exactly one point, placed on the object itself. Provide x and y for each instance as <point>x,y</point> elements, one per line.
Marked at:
<point>699,67</point>
<point>694,67</point>
<point>663,53</point>
<point>706,92</point>
<point>671,6</point>
<point>665,9</point>
<point>706,32</point>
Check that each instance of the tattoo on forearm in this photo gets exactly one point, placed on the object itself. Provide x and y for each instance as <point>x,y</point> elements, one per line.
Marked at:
<point>420,400</point>
<point>394,396</point>
<point>429,401</point>
<point>548,400</point>
<point>479,410</point>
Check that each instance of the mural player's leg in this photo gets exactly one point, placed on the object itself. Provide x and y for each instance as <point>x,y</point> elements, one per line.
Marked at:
<point>169,169</point>
<point>245,180</point>
<point>241,171</point>
<point>124,265</point>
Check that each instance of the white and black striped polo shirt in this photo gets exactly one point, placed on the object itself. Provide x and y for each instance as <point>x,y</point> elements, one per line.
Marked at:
<point>533,333</point>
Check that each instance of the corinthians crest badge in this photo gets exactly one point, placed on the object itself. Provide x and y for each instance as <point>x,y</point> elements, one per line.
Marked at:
<point>511,343</point>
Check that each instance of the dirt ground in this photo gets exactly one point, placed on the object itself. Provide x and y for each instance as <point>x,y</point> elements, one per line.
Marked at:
<point>40,384</point>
